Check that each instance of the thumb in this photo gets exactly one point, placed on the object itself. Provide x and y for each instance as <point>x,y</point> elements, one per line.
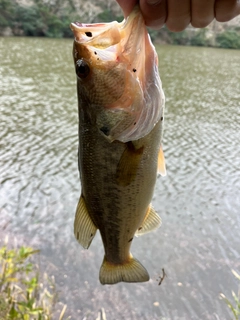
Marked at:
<point>127,6</point>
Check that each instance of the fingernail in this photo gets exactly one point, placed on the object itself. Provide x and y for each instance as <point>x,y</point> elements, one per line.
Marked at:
<point>152,2</point>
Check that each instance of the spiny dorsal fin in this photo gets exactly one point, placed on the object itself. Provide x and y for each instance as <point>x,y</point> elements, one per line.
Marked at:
<point>161,163</point>
<point>129,164</point>
<point>151,222</point>
<point>84,228</point>
<point>129,271</point>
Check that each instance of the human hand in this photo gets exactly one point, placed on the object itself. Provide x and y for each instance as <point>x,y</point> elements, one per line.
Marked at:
<point>178,14</point>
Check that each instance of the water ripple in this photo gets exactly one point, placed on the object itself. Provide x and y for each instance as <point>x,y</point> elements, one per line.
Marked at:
<point>199,200</point>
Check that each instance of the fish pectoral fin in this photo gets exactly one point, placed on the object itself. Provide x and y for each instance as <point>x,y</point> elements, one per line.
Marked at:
<point>161,163</point>
<point>128,164</point>
<point>130,271</point>
<point>151,222</point>
<point>84,228</point>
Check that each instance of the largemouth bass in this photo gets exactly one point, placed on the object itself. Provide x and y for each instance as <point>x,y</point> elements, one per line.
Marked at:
<point>121,106</point>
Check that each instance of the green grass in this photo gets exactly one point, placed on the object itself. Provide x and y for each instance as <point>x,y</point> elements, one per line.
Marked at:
<point>235,306</point>
<point>22,294</point>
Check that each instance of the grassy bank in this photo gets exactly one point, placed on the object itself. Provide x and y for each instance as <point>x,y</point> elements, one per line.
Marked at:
<point>24,292</point>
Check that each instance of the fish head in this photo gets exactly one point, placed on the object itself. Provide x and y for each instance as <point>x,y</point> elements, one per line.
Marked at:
<point>119,87</point>
<point>100,76</point>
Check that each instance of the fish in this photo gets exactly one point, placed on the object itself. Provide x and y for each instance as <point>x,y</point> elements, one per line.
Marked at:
<point>120,109</point>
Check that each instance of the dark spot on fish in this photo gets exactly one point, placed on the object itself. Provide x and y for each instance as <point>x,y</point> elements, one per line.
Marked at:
<point>105,130</point>
<point>82,68</point>
<point>97,58</point>
<point>78,235</point>
<point>139,228</point>
<point>88,34</point>
<point>91,235</point>
<point>95,52</point>
<point>161,118</point>
<point>130,240</point>
<point>135,123</point>
<point>134,70</point>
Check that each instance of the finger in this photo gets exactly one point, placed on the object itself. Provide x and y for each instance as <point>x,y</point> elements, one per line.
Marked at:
<point>127,6</point>
<point>179,14</point>
<point>202,13</point>
<point>226,10</point>
<point>154,12</point>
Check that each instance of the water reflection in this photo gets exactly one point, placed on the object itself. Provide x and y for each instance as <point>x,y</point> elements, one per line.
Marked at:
<point>199,200</point>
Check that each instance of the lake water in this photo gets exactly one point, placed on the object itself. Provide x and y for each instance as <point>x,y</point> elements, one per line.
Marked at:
<point>198,201</point>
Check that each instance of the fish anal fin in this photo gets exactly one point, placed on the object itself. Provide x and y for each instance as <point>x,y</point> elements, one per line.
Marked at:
<point>84,228</point>
<point>151,222</point>
<point>128,164</point>
<point>161,163</point>
<point>130,271</point>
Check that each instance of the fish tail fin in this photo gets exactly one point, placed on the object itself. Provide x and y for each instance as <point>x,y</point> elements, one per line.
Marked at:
<point>131,271</point>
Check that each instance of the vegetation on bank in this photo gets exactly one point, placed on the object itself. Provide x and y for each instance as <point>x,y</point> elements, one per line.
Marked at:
<point>49,18</point>
<point>229,38</point>
<point>26,295</point>
<point>52,19</point>
<point>23,295</point>
<point>234,307</point>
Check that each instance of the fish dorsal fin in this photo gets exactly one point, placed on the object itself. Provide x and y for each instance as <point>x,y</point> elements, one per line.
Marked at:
<point>161,163</point>
<point>84,228</point>
<point>129,164</point>
<point>128,271</point>
<point>151,222</point>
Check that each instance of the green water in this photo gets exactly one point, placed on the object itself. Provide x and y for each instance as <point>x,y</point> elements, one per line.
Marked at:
<point>199,200</point>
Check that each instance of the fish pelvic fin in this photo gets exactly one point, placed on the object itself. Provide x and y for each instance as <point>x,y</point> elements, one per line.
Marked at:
<point>84,228</point>
<point>151,222</point>
<point>161,163</point>
<point>130,271</point>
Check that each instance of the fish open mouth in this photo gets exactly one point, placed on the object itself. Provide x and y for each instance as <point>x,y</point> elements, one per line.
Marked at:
<point>100,35</point>
<point>126,46</point>
<point>112,36</point>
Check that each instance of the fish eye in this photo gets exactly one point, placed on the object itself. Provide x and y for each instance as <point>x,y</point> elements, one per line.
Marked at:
<point>82,68</point>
